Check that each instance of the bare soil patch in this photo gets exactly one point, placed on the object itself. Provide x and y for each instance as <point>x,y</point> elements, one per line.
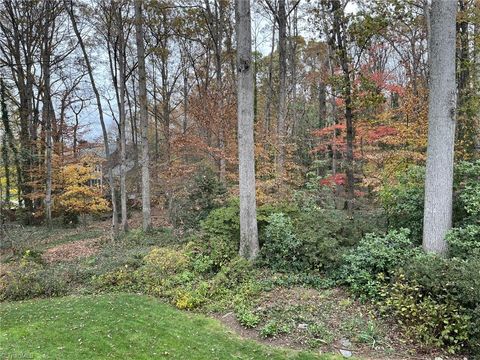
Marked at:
<point>71,251</point>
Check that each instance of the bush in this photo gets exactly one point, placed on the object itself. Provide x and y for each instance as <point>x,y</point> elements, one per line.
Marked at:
<point>203,193</point>
<point>122,279</point>
<point>166,261</point>
<point>403,202</point>
<point>272,328</point>
<point>31,256</point>
<point>322,238</point>
<point>191,299</point>
<point>442,324</point>
<point>281,250</point>
<point>438,300</point>
<point>247,318</point>
<point>375,259</point>
<point>233,274</point>
<point>221,235</point>
<point>70,219</point>
<point>446,279</point>
<point>467,188</point>
<point>31,280</point>
<point>464,242</point>
<point>157,237</point>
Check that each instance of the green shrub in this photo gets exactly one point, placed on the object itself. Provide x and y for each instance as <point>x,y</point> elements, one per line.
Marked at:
<point>442,324</point>
<point>166,261</point>
<point>281,250</point>
<point>403,202</point>
<point>31,280</point>
<point>247,318</point>
<point>234,273</point>
<point>322,238</point>
<point>122,279</point>
<point>264,213</point>
<point>221,235</point>
<point>438,300</point>
<point>203,193</point>
<point>467,188</point>
<point>464,242</point>
<point>446,279</point>
<point>29,256</point>
<point>189,299</point>
<point>272,328</point>
<point>157,237</point>
<point>375,259</point>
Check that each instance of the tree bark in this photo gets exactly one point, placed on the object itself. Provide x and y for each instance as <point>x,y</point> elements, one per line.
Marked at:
<point>282,90</point>
<point>47,111</point>
<point>5,143</point>
<point>441,127</point>
<point>143,111</point>
<point>121,105</point>
<point>268,101</point>
<point>249,247</point>
<point>341,47</point>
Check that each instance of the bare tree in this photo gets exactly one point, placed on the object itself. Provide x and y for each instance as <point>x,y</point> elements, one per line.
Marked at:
<point>441,127</point>
<point>246,157</point>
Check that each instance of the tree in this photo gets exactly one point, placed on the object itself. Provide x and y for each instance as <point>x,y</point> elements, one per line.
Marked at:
<point>339,43</point>
<point>123,116</point>
<point>245,113</point>
<point>142,89</point>
<point>78,196</point>
<point>69,8</point>
<point>441,133</point>
<point>48,113</point>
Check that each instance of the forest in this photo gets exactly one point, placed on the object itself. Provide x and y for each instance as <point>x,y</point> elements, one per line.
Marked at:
<point>240,179</point>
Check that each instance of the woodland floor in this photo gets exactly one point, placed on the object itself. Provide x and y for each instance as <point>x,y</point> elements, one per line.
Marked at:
<point>78,326</point>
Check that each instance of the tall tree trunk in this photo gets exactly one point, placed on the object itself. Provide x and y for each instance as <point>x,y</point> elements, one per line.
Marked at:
<point>10,139</point>
<point>155,114</point>
<point>47,107</point>
<point>5,141</point>
<point>476,69</point>
<point>341,47</point>
<point>293,64</point>
<point>465,122</point>
<point>111,181</point>
<point>249,247</point>
<point>185,100</point>
<point>143,111</point>
<point>441,127</point>
<point>282,91</point>
<point>121,105</point>
<point>268,103</point>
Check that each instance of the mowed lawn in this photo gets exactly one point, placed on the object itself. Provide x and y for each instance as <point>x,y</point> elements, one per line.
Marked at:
<point>121,326</point>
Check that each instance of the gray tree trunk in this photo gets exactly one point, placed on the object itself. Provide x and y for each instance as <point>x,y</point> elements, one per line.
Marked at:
<point>282,90</point>
<point>441,127</point>
<point>142,90</point>
<point>268,101</point>
<point>47,107</point>
<point>121,105</point>
<point>249,247</point>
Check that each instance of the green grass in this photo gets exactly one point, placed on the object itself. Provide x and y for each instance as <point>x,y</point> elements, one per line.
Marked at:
<point>121,326</point>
